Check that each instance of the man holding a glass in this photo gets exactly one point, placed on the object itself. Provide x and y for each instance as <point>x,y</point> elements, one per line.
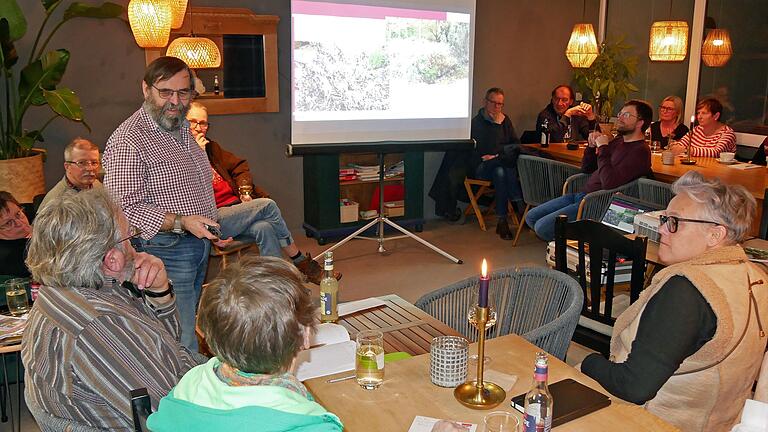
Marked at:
<point>162,181</point>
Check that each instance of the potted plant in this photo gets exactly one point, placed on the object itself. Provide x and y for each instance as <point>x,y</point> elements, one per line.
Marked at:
<point>35,83</point>
<point>609,77</point>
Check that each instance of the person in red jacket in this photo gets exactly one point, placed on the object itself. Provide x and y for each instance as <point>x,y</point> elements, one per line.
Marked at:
<point>245,211</point>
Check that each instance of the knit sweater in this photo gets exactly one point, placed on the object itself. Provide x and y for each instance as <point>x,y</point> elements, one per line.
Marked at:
<point>724,140</point>
<point>615,164</point>
<point>708,390</point>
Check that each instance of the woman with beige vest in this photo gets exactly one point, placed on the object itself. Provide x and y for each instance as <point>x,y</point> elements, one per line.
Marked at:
<point>689,349</point>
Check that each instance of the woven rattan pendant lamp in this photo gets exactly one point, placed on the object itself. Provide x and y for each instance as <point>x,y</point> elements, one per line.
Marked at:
<point>582,46</point>
<point>150,22</point>
<point>669,40</point>
<point>197,52</point>
<point>178,10</point>
<point>716,49</point>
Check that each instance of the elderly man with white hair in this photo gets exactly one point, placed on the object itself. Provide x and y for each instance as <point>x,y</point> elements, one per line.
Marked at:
<point>105,320</point>
<point>689,349</point>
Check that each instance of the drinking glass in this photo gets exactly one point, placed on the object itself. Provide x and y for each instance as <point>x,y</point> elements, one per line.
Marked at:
<point>655,146</point>
<point>245,188</point>
<point>16,296</point>
<point>472,318</point>
<point>369,359</point>
<point>501,421</point>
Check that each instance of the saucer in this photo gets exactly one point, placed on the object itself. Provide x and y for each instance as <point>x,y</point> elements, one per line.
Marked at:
<point>730,162</point>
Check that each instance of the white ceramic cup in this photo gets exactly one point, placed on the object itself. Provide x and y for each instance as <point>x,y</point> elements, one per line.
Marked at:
<point>727,156</point>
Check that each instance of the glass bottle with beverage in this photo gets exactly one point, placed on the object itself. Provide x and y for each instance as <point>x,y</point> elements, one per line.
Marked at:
<point>329,292</point>
<point>545,133</point>
<point>538,401</point>
<point>216,84</point>
<point>369,359</point>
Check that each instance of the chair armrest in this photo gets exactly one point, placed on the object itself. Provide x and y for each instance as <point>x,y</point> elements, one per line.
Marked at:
<point>575,183</point>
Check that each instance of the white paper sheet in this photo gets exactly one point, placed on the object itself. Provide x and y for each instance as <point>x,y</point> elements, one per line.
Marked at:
<point>325,360</point>
<point>425,424</point>
<point>327,334</point>
<point>358,305</point>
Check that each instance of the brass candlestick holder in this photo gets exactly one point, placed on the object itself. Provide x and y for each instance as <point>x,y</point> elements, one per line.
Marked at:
<point>478,394</point>
<point>688,160</point>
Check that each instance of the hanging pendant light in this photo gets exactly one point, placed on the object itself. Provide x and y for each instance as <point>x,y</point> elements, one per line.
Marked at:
<point>669,40</point>
<point>196,52</point>
<point>582,46</point>
<point>178,10</point>
<point>716,49</point>
<point>150,22</point>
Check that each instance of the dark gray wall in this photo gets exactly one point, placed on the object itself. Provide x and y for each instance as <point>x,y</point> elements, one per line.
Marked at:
<point>519,46</point>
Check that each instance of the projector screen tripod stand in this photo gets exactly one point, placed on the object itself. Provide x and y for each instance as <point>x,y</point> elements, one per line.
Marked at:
<point>383,221</point>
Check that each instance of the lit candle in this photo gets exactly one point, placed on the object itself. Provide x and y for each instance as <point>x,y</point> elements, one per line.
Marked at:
<point>693,118</point>
<point>482,297</point>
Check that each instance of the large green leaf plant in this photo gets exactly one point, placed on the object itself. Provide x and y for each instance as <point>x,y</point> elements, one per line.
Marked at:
<point>610,76</point>
<point>36,83</point>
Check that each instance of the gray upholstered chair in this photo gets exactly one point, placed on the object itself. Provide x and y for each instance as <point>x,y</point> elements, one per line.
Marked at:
<point>654,191</point>
<point>595,203</point>
<point>539,304</point>
<point>541,180</point>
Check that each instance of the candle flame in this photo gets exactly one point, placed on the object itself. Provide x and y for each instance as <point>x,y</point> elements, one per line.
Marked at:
<point>693,117</point>
<point>484,268</point>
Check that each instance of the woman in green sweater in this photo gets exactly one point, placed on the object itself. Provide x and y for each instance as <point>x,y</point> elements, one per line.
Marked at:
<point>256,317</point>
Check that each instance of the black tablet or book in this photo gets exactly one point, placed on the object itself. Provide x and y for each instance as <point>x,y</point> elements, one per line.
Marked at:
<point>572,400</point>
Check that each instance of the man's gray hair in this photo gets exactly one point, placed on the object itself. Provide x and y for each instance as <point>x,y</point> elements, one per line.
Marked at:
<point>80,143</point>
<point>71,236</point>
<point>731,206</point>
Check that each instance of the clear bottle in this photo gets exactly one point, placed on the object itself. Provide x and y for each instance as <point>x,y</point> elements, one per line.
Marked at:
<point>545,133</point>
<point>215,84</point>
<point>648,137</point>
<point>538,401</point>
<point>329,292</point>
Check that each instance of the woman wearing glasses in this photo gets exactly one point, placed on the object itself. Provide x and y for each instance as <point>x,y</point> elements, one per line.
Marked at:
<point>690,347</point>
<point>670,122</point>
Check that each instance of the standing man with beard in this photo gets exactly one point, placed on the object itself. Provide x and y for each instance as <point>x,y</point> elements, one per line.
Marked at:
<point>81,165</point>
<point>162,180</point>
<point>612,163</point>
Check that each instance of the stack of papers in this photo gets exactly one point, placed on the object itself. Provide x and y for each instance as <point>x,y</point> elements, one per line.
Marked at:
<point>11,329</point>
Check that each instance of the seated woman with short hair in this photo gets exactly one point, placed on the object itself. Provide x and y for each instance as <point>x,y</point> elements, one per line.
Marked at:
<point>690,347</point>
<point>670,123</point>
<point>256,316</point>
<point>711,137</point>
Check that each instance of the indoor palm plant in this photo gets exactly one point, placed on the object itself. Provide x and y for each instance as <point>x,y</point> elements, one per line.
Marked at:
<point>34,80</point>
<point>609,76</point>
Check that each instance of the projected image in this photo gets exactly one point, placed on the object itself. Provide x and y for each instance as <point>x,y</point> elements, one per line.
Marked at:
<point>362,62</point>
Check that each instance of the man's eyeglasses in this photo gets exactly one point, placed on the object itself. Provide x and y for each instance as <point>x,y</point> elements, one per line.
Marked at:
<point>132,232</point>
<point>673,222</point>
<point>663,108</point>
<point>626,114</point>
<point>498,104</point>
<point>85,163</point>
<point>13,221</point>
<point>184,94</point>
<point>199,124</point>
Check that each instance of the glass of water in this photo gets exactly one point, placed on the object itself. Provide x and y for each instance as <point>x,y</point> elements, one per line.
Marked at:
<point>369,359</point>
<point>16,296</point>
<point>501,421</point>
<point>655,146</point>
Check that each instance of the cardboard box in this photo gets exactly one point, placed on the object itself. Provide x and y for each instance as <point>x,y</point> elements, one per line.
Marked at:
<point>394,208</point>
<point>348,212</point>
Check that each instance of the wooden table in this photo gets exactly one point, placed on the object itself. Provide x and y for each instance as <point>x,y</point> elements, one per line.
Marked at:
<point>406,328</point>
<point>408,392</point>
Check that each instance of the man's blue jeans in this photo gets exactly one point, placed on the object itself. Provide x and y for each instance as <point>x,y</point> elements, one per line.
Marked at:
<point>259,221</point>
<point>542,217</point>
<point>186,259</point>
<point>505,183</point>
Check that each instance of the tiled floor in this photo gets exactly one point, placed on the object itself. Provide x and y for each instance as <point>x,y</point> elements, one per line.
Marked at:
<point>411,270</point>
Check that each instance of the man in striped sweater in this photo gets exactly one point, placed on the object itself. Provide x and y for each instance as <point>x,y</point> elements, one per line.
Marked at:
<point>105,320</point>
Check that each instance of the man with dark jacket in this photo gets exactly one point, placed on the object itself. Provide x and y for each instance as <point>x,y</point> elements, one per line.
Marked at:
<point>560,116</point>
<point>612,163</point>
<point>245,210</point>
